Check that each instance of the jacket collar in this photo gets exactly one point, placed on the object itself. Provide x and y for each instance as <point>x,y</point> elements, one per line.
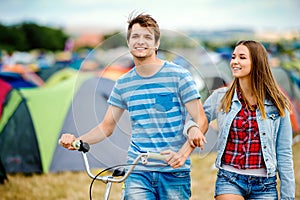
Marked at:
<point>235,98</point>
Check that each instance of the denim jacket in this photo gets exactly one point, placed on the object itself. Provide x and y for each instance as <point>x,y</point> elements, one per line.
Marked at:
<point>275,135</point>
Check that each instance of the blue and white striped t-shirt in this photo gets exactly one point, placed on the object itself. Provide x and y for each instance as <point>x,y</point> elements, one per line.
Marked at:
<point>156,109</point>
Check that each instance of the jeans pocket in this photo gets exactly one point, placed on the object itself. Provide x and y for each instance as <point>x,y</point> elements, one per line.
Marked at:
<point>269,185</point>
<point>228,176</point>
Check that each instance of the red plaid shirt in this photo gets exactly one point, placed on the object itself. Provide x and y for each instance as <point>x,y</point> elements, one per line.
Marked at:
<point>243,149</point>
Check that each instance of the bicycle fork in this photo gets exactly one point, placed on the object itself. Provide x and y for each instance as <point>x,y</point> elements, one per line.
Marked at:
<point>107,190</point>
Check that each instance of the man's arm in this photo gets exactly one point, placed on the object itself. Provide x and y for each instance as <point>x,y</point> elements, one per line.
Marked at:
<point>177,159</point>
<point>196,111</point>
<point>98,133</point>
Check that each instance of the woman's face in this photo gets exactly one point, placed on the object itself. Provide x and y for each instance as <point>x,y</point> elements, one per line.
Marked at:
<point>240,62</point>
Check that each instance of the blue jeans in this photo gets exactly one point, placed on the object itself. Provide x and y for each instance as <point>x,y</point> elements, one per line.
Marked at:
<point>250,187</point>
<point>158,185</point>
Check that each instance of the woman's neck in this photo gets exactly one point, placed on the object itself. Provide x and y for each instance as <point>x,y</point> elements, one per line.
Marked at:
<point>247,92</point>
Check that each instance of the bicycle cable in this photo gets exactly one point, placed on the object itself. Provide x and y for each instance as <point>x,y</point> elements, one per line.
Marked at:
<point>109,168</point>
<point>104,170</point>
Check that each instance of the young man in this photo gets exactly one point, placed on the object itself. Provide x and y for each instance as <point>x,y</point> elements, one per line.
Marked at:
<point>157,94</point>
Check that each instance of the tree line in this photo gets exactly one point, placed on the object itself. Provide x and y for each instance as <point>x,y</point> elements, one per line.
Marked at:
<point>28,36</point>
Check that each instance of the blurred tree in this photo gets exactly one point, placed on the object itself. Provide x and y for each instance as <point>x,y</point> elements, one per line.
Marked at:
<point>41,37</point>
<point>28,36</point>
<point>11,38</point>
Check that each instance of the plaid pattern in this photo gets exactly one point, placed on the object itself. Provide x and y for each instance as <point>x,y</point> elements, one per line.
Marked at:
<point>243,149</point>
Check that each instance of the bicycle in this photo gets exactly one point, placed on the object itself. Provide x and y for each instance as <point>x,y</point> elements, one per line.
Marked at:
<point>119,175</point>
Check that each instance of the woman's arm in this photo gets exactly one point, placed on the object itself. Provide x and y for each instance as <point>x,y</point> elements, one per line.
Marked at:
<point>284,156</point>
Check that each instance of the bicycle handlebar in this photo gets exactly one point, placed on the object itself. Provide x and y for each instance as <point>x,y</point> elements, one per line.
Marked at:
<point>156,156</point>
<point>85,147</point>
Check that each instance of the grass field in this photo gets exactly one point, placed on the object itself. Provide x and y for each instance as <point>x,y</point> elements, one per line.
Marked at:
<point>75,185</point>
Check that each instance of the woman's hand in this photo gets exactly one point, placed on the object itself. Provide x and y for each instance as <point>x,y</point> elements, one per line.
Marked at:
<point>196,138</point>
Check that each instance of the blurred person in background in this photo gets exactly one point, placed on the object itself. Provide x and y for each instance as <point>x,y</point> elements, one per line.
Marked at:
<point>158,95</point>
<point>8,60</point>
<point>255,132</point>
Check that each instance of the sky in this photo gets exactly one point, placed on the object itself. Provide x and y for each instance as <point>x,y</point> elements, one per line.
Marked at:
<point>170,14</point>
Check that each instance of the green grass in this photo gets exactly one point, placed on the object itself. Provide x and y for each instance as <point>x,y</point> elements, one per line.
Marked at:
<point>75,185</point>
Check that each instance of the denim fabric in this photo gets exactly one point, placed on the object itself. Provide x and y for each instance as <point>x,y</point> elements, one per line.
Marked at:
<point>250,187</point>
<point>275,134</point>
<point>158,185</point>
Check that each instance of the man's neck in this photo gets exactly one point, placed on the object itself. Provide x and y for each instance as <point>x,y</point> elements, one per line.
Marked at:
<point>147,68</point>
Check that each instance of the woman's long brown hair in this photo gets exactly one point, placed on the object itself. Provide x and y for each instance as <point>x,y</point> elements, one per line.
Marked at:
<point>262,81</point>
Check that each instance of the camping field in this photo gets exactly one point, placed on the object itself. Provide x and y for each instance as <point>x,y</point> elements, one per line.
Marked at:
<point>75,185</point>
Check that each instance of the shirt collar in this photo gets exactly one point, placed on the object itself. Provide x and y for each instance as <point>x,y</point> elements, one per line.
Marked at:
<point>237,96</point>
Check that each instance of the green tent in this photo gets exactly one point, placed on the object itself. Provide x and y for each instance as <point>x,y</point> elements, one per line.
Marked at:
<point>31,122</point>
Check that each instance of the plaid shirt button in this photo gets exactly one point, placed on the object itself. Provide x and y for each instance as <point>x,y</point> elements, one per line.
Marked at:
<point>243,149</point>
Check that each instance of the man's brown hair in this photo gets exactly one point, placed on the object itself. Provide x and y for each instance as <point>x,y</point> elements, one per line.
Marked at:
<point>144,20</point>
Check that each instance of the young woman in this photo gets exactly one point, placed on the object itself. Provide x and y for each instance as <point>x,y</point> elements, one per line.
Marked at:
<point>255,133</point>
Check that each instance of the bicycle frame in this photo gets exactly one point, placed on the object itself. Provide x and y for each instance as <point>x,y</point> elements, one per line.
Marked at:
<point>108,180</point>
<point>105,179</point>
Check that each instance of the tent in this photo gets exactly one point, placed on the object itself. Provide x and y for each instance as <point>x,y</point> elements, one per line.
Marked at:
<point>34,118</point>
<point>16,80</point>
<point>21,139</point>
<point>11,101</point>
<point>292,91</point>
<point>88,108</point>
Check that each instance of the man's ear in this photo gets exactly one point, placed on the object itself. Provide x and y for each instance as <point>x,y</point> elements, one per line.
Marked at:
<point>157,45</point>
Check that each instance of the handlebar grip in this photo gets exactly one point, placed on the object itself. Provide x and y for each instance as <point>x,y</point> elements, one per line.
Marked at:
<point>156,156</point>
<point>76,144</point>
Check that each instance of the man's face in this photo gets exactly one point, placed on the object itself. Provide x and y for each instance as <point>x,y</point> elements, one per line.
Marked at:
<point>142,42</point>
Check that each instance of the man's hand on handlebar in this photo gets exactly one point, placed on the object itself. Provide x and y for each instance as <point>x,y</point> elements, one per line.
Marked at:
<point>66,141</point>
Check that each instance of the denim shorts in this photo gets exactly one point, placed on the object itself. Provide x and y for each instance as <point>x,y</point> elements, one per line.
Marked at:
<point>158,185</point>
<point>250,187</point>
